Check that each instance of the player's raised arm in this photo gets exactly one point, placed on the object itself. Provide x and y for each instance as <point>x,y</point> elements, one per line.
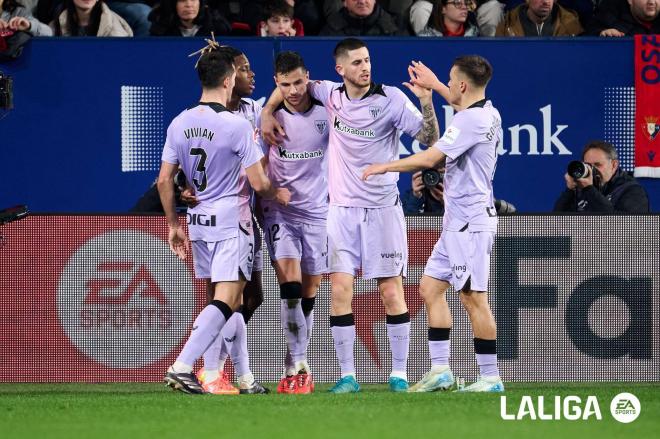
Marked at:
<point>271,130</point>
<point>177,238</point>
<point>429,158</point>
<point>430,131</point>
<point>424,77</point>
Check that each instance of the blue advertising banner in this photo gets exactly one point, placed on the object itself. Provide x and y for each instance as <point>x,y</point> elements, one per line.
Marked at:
<point>90,114</point>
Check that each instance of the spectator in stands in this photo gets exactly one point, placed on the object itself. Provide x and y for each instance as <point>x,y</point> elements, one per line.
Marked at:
<point>47,10</point>
<point>451,18</point>
<point>539,18</point>
<point>186,18</point>
<point>606,189</point>
<point>584,8</point>
<point>14,17</point>
<point>89,18</point>
<point>245,16</point>
<point>361,18</point>
<point>422,199</point>
<point>619,18</point>
<point>279,21</point>
<point>135,13</point>
<point>488,14</point>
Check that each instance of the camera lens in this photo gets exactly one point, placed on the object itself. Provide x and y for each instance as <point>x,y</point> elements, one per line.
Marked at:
<point>578,169</point>
<point>431,177</point>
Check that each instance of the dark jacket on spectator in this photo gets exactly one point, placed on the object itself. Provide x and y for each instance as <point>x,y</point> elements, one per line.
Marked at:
<point>424,204</point>
<point>615,14</point>
<point>621,194</point>
<point>564,23</point>
<point>167,24</point>
<point>379,23</point>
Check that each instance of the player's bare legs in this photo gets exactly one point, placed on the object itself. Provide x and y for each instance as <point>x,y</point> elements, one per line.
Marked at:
<point>398,329</point>
<point>433,292</point>
<point>296,289</point>
<point>481,317</point>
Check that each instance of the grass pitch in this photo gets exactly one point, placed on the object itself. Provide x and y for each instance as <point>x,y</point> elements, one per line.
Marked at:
<point>152,411</point>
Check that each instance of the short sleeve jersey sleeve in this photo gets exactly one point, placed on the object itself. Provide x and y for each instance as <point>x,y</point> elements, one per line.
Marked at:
<point>460,136</point>
<point>405,116</point>
<point>246,146</point>
<point>169,150</point>
<point>320,90</point>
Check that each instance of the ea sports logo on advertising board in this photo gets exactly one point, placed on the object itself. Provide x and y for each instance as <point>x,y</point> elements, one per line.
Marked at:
<point>124,300</point>
<point>625,407</point>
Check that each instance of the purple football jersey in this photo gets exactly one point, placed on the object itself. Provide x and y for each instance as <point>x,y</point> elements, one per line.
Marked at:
<point>364,131</point>
<point>299,164</point>
<point>250,110</point>
<point>470,143</point>
<point>211,144</point>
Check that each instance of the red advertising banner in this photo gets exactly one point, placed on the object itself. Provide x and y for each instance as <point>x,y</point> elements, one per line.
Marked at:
<point>103,299</point>
<point>90,298</point>
<point>647,111</point>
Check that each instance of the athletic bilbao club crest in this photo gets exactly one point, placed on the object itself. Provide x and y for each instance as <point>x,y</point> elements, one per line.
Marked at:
<point>651,128</point>
<point>375,111</point>
<point>124,300</point>
<point>321,125</point>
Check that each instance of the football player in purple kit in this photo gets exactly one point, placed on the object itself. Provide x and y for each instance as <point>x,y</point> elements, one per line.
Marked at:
<point>296,234</point>
<point>211,144</point>
<point>461,257</point>
<point>366,228</point>
<point>233,339</point>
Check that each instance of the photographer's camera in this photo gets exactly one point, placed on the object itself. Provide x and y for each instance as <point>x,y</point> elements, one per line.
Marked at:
<point>432,177</point>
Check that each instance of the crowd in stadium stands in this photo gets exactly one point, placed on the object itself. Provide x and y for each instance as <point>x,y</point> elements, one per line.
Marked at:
<point>438,18</point>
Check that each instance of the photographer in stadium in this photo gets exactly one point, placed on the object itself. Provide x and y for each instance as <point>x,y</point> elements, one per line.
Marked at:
<point>425,195</point>
<point>597,185</point>
<point>427,191</point>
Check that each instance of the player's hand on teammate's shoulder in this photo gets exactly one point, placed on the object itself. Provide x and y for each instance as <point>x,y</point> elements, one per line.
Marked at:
<point>375,169</point>
<point>178,241</point>
<point>283,196</point>
<point>271,130</point>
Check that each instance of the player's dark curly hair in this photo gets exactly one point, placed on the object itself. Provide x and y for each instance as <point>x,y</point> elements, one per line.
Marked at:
<point>476,68</point>
<point>288,61</point>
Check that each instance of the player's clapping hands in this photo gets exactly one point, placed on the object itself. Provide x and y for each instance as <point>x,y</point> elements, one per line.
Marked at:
<point>420,91</point>
<point>423,76</point>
